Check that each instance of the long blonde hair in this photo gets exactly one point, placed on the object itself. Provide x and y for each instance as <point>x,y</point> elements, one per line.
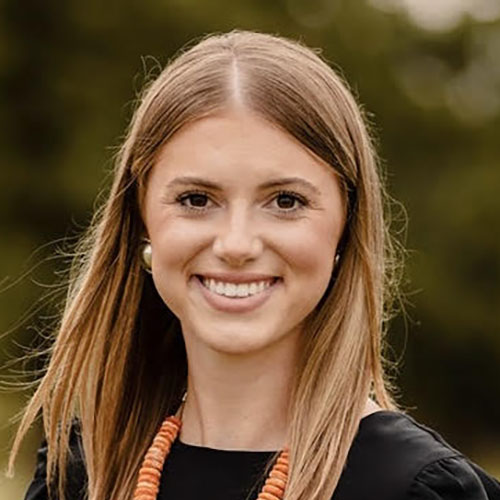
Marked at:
<point>116,342</point>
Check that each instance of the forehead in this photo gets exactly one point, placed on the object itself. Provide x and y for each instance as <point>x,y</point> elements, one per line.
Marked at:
<point>238,145</point>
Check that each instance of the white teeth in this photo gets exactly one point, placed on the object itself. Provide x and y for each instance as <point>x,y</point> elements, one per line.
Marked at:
<point>236,290</point>
<point>218,288</point>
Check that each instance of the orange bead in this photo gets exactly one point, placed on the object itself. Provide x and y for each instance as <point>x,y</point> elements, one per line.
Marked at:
<point>169,434</point>
<point>175,420</point>
<point>167,437</point>
<point>168,424</point>
<point>162,441</point>
<point>153,462</point>
<point>146,490</point>
<point>281,468</point>
<point>170,431</point>
<point>146,485</point>
<point>144,496</point>
<point>269,488</point>
<point>154,454</point>
<point>150,478</point>
<point>267,496</point>
<point>279,475</point>
<point>169,428</point>
<point>278,483</point>
<point>150,471</point>
<point>155,458</point>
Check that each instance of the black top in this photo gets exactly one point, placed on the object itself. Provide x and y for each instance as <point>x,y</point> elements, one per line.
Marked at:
<point>393,457</point>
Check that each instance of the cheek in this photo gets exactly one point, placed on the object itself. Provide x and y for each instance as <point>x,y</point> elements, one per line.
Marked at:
<point>174,245</point>
<point>308,254</point>
<point>310,248</point>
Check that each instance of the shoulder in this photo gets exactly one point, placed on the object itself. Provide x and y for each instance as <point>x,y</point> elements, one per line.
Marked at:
<point>453,478</point>
<point>394,457</point>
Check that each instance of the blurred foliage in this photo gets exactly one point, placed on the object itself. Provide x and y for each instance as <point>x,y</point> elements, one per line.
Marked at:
<point>69,75</point>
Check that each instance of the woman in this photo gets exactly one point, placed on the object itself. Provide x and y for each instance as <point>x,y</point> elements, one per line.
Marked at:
<point>217,341</point>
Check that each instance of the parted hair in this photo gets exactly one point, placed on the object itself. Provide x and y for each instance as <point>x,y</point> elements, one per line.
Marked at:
<point>116,343</point>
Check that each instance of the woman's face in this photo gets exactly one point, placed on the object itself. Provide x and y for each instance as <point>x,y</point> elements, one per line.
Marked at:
<point>244,223</point>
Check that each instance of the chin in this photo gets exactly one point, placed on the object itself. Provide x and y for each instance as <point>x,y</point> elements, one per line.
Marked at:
<point>225,340</point>
<point>238,345</point>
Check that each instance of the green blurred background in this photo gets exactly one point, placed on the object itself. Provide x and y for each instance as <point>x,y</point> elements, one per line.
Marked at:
<point>428,75</point>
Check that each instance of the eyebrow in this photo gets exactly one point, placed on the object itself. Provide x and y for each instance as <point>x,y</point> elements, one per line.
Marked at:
<point>282,181</point>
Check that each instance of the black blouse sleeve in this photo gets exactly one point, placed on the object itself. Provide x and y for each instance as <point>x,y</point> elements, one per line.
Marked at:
<point>37,489</point>
<point>76,478</point>
<point>451,478</point>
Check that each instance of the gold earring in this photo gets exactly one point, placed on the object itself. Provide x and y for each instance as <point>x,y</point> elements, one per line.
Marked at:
<point>336,260</point>
<point>146,254</point>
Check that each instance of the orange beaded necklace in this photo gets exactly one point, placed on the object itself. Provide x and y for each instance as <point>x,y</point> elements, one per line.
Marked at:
<point>148,483</point>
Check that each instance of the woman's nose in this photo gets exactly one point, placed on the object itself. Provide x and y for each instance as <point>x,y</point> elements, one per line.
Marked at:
<point>237,239</point>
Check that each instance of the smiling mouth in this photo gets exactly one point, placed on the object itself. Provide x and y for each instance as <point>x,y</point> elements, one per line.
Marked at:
<point>236,290</point>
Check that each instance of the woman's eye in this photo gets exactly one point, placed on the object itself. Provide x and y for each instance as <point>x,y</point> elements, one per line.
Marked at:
<point>197,200</point>
<point>289,201</point>
<point>286,201</point>
<point>194,200</point>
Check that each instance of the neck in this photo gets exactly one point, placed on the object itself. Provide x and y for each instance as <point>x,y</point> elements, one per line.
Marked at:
<point>238,402</point>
